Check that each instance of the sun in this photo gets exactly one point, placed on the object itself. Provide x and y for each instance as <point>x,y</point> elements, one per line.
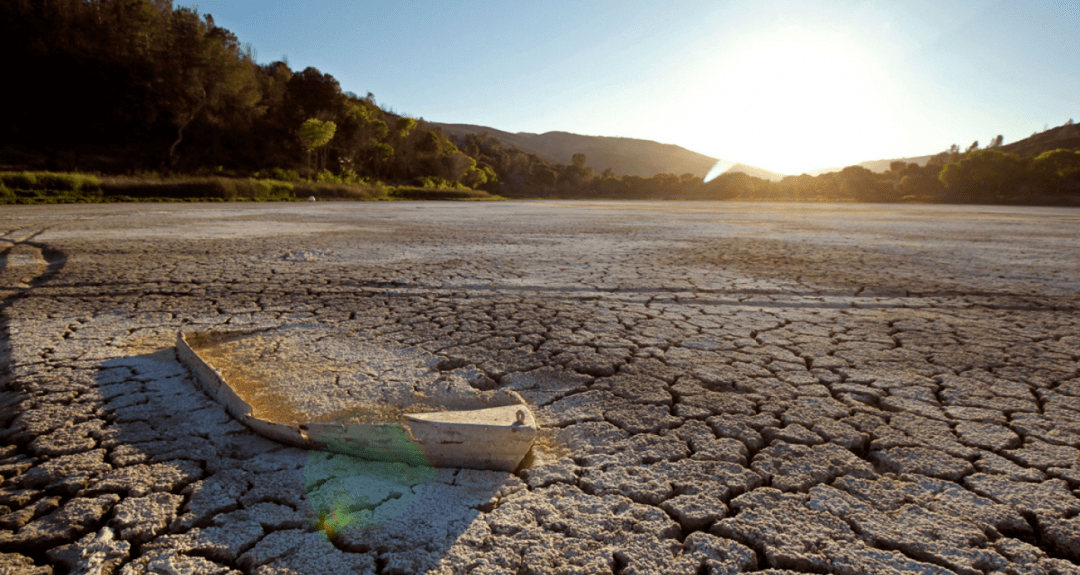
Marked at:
<point>793,99</point>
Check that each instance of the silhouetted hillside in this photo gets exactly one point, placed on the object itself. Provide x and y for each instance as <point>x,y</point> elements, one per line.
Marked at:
<point>882,166</point>
<point>878,166</point>
<point>625,156</point>
<point>522,141</point>
<point>756,172</point>
<point>1065,137</point>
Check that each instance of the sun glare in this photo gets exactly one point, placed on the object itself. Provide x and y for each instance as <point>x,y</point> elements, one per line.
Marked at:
<point>793,100</point>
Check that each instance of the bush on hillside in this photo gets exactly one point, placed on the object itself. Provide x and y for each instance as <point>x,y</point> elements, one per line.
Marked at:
<point>51,181</point>
<point>338,191</point>
<point>435,182</point>
<point>414,193</point>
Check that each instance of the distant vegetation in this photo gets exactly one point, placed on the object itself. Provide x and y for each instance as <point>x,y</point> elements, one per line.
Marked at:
<point>980,176</point>
<point>624,156</point>
<point>126,86</point>
<point>101,91</point>
<point>69,188</point>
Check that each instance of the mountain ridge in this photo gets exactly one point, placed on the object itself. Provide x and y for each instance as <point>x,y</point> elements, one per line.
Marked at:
<point>624,156</point>
<point>879,166</point>
<point>646,158</point>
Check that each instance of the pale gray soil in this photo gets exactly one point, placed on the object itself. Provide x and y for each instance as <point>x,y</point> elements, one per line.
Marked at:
<point>726,387</point>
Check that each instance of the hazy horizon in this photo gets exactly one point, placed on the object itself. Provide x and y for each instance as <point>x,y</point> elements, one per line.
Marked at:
<point>789,87</point>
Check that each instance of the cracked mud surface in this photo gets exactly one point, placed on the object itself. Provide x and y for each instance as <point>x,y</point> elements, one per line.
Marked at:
<point>725,387</point>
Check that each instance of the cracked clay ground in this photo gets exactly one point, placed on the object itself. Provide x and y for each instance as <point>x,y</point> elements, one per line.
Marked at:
<point>723,387</point>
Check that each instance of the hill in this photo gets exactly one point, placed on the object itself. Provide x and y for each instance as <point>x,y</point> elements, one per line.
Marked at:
<point>1064,137</point>
<point>625,156</point>
<point>879,166</point>
<point>756,172</point>
<point>882,166</point>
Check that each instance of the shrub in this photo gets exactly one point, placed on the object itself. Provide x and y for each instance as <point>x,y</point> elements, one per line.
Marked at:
<point>53,181</point>
<point>58,182</point>
<point>222,188</point>
<point>6,195</point>
<point>983,176</point>
<point>276,189</point>
<point>247,189</point>
<point>86,182</point>
<point>132,187</point>
<point>285,175</point>
<point>47,187</point>
<point>414,193</point>
<point>1056,172</point>
<point>338,191</point>
<point>435,182</point>
<point>19,180</point>
<point>353,179</point>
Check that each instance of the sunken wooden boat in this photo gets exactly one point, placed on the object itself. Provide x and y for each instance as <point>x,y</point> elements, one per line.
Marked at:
<point>318,388</point>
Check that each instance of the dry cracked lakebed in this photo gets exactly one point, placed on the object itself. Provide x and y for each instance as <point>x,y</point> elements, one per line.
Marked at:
<point>719,387</point>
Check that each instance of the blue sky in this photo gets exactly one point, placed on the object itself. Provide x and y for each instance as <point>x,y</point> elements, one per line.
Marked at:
<point>787,86</point>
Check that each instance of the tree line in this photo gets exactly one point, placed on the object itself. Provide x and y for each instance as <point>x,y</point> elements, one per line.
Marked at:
<point>979,176</point>
<point>126,85</point>
<point>117,86</point>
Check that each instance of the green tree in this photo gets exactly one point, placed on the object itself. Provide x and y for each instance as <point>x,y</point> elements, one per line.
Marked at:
<point>314,134</point>
<point>983,176</point>
<point>429,143</point>
<point>1056,172</point>
<point>312,94</point>
<point>354,134</point>
<point>405,126</point>
<point>1057,164</point>
<point>359,113</point>
<point>855,182</point>
<point>381,153</point>
<point>479,176</point>
<point>920,184</point>
<point>543,177</point>
<point>207,74</point>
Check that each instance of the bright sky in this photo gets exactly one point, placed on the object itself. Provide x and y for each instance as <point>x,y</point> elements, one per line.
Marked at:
<point>787,86</point>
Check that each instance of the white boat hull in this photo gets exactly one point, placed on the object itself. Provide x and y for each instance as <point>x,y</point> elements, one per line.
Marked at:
<point>479,430</point>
